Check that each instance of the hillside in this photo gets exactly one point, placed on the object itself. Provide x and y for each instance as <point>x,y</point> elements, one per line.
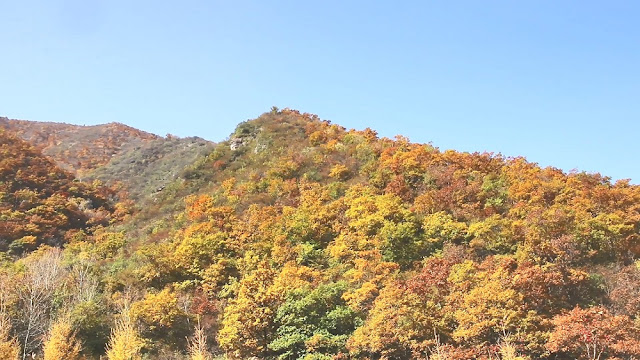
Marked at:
<point>78,148</point>
<point>147,169</point>
<point>299,239</point>
<point>120,156</point>
<point>41,203</point>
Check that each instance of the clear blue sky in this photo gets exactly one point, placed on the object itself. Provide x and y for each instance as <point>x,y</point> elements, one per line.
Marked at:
<point>555,81</point>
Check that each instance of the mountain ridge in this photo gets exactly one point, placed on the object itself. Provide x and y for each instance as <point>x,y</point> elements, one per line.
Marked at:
<point>76,147</point>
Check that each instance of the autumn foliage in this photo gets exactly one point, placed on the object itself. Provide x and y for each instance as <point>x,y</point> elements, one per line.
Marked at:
<point>40,203</point>
<point>61,342</point>
<point>299,239</point>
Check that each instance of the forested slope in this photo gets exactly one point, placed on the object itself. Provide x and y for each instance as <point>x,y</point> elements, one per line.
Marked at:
<point>78,148</point>
<point>136,163</point>
<point>144,171</point>
<point>299,239</point>
<point>41,203</point>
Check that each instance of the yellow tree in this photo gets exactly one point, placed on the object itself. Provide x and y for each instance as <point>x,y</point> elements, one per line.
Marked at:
<point>125,342</point>
<point>9,347</point>
<point>161,317</point>
<point>486,305</point>
<point>399,323</point>
<point>198,345</point>
<point>61,342</point>
<point>247,325</point>
<point>408,318</point>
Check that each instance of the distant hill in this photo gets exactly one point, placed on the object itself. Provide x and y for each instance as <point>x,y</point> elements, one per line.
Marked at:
<point>139,162</point>
<point>78,148</point>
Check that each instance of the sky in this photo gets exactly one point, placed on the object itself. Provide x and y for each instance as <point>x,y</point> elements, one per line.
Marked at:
<point>555,81</point>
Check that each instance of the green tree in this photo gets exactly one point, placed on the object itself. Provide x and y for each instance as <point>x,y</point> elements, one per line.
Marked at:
<point>313,321</point>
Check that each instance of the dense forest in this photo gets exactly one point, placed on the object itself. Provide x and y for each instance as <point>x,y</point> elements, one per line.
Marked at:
<point>299,239</point>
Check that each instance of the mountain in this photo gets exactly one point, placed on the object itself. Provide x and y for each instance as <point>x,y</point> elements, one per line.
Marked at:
<point>140,162</point>
<point>296,238</point>
<point>78,148</point>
